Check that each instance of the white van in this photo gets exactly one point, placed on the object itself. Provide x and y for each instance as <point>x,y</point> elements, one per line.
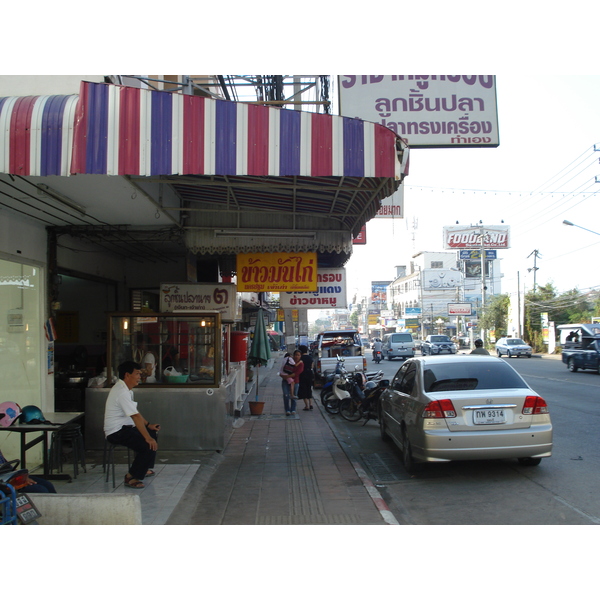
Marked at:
<point>398,345</point>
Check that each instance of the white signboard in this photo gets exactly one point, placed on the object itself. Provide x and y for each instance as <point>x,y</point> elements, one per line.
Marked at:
<point>393,206</point>
<point>331,292</point>
<point>436,279</point>
<point>427,111</point>
<point>459,236</point>
<point>460,308</point>
<point>201,297</point>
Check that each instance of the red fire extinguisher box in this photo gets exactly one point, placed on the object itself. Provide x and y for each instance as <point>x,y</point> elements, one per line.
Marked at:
<point>239,346</point>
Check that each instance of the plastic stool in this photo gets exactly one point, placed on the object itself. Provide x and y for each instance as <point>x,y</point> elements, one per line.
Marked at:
<point>108,459</point>
<point>73,434</point>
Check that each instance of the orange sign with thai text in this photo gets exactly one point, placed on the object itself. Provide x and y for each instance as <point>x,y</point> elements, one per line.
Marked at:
<point>277,272</point>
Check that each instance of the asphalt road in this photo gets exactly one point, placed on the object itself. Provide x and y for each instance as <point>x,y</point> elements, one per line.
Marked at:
<point>563,489</point>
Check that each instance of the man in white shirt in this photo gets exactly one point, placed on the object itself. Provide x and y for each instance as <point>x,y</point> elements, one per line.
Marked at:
<point>125,425</point>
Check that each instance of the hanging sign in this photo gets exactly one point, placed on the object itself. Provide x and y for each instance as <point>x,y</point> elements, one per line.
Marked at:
<point>277,272</point>
<point>201,297</point>
<point>330,293</point>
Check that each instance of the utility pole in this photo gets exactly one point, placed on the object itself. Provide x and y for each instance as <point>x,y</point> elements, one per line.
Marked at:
<point>536,254</point>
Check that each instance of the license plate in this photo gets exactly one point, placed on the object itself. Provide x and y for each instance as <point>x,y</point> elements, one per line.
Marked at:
<point>489,416</point>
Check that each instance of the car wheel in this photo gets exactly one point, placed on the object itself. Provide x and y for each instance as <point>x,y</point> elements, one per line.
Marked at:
<point>529,461</point>
<point>407,458</point>
<point>499,353</point>
<point>571,366</point>
<point>389,358</point>
<point>508,354</point>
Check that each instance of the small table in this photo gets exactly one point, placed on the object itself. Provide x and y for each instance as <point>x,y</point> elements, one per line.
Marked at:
<point>58,421</point>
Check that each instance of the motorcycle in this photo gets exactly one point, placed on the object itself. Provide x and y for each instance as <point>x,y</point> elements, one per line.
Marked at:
<point>377,356</point>
<point>15,506</point>
<point>366,405</point>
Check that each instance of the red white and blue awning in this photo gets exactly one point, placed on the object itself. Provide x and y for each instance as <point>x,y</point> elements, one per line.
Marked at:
<point>117,130</point>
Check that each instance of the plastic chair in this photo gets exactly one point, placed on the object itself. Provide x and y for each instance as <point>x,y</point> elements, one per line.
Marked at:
<point>70,433</point>
<point>108,459</point>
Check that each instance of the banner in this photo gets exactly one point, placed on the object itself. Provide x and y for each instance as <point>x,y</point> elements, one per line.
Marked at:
<point>277,272</point>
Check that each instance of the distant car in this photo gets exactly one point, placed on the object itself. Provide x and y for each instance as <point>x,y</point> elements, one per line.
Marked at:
<point>438,344</point>
<point>464,407</point>
<point>365,342</point>
<point>513,347</point>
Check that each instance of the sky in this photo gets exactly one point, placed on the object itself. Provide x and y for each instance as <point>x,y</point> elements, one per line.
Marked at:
<point>542,173</point>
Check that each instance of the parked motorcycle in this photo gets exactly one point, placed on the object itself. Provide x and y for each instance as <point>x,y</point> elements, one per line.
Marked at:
<point>366,407</point>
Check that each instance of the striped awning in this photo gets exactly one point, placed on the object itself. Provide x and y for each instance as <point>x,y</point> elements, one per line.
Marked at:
<point>119,130</point>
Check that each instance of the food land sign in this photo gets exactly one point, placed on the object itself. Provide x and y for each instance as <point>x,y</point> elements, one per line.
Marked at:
<point>277,272</point>
<point>494,236</point>
<point>427,111</point>
<point>330,293</point>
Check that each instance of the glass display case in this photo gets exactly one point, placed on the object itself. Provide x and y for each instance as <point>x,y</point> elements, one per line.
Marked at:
<point>173,349</point>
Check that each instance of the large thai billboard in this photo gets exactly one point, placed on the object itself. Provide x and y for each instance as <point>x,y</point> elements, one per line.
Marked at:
<point>427,111</point>
<point>460,236</point>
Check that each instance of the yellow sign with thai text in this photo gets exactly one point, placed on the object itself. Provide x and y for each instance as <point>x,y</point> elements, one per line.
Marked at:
<point>277,272</point>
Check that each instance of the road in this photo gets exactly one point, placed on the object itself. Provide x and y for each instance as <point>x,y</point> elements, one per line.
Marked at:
<point>563,489</point>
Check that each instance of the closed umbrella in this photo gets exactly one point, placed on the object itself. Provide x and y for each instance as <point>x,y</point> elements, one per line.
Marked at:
<point>259,350</point>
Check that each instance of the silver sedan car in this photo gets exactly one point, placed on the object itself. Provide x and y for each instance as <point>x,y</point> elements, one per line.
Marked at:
<point>464,407</point>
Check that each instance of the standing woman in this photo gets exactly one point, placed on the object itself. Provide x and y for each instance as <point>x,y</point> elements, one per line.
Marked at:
<point>306,379</point>
<point>298,369</point>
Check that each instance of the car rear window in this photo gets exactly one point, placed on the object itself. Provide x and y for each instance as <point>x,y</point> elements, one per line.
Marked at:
<point>440,338</point>
<point>515,342</point>
<point>474,375</point>
<point>401,337</point>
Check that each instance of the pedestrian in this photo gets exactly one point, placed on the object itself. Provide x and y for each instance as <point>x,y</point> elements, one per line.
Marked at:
<point>286,372</point>
<point>479,349</point>
<point>306,379</point>
<point>298,369</point>
<point>125,425</point>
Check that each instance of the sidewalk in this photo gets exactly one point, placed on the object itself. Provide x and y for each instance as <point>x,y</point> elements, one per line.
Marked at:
<point>279,470</point>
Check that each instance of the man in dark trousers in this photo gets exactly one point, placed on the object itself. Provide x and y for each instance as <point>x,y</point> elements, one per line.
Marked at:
<point>125,425</point>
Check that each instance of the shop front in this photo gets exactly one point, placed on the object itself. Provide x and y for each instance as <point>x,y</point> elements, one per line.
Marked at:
<point>123,189</point>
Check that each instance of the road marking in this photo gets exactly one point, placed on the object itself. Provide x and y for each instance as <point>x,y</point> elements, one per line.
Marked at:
<point>593,519</point>
<point>382,507</point>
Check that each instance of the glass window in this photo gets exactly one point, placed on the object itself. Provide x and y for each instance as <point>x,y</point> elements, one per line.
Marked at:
<point>470,375</point>
<point>182,349</point>
<point>21,334</point>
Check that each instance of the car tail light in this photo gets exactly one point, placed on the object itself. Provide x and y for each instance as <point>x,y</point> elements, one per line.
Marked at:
<point>439,409</point>
<point>364,364</point>
<point>534,405</point>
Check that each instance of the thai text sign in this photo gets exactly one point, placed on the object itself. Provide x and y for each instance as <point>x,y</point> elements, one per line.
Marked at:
<point>201,297</point>
<point>476,255</point>
<point>393,206</point>
<point>330,292</point>
<point>427,111</point>
<point>460,308</point>
<point>494,236</point>
<point>277,272</point>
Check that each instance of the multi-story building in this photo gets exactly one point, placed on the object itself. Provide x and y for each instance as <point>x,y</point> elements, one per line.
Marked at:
<point>421,292</point>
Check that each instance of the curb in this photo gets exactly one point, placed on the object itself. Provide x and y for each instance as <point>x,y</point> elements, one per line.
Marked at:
<point>380,503</point>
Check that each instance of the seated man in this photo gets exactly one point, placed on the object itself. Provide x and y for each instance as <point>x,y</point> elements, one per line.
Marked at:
<point>125,425</point>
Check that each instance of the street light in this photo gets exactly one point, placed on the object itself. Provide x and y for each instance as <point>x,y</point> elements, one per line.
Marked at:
<point>565,222</point>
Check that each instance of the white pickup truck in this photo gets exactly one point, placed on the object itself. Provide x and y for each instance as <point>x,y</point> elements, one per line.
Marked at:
<point>345,343</point>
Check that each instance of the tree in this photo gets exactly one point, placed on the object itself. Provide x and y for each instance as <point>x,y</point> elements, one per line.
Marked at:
<point>495,315</point>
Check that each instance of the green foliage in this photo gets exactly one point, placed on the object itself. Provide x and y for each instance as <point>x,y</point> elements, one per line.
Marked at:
<point>569,307</point>
<point>495,315</point>
<point>354,319</point>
